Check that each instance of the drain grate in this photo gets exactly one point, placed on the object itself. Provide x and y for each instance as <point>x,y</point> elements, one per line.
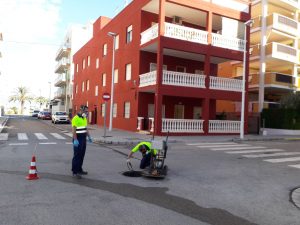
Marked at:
<point>132,173</point>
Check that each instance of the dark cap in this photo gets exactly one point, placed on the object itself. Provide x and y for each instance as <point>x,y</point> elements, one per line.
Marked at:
<point>83,107</point>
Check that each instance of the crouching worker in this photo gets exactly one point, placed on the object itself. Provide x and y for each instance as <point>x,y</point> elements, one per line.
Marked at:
<point>147,153</point>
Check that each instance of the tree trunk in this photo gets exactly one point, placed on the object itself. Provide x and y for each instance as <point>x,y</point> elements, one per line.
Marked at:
<point>22,107</point>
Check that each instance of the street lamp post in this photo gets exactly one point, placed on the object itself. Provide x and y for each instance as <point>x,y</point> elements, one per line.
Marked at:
<point>246,24</point>
<point>112,80</point>
<point>49,82</point>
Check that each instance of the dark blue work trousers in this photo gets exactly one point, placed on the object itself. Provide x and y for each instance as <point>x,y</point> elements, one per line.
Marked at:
<point>79,153</point>
<point>146,160</point>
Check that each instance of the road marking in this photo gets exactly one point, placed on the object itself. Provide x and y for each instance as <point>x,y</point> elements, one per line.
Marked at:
<point>214,143</point>
<point>22,136</point>
<point>271,155</point>
<point>58,136</point>
<point>40,136</point>
<point>3,137</point>
<point>237,148</point>
<point>295,166</point>
<point>283,160</point>
<point>18,144</point>
<point>69,143</point>
<point>253,151</point>
<point>216,146</point>
<point>47,143</point>
<point>69,134</point>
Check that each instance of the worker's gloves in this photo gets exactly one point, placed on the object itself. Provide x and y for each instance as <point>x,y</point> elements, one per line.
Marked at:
<point>90,139</point>
<point>128,161</point>
<point>76,143</point>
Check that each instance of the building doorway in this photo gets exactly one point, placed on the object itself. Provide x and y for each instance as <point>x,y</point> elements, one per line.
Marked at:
<point>179,112</point>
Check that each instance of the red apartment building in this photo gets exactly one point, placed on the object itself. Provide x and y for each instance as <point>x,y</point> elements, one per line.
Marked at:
<point>166,73</point>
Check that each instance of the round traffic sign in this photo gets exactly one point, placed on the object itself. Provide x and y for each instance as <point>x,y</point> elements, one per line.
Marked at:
<point>106,96</point>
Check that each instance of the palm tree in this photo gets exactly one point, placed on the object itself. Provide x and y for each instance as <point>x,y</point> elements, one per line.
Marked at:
<point>41,100</point>
<point>21,94</point>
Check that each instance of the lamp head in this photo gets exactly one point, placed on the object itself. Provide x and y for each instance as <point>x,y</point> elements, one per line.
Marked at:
<point>249,22</point>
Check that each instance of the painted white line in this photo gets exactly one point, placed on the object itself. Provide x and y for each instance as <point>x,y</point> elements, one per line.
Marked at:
<point>271,155</point>
<point>214,143</point>
<point>40,136</point>
<point>47,143</point>
<point>17,144</point>
<point>69,134</point>
<point>295,166</point>
<point>58,136</point>
<point>257,151</point>
<point>292,159</point>
<point>237,148</point>
<point>22,136</point>
<point>3,136</point>
<point>69,143</point>
<point>218,146</point>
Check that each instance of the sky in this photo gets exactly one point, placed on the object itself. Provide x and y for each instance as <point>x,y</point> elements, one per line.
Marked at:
<point>32,32</point>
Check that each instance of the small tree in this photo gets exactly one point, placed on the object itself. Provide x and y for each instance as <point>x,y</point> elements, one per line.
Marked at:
<point>41,100</point>
<point>21,94</point>
<point>291,101</point>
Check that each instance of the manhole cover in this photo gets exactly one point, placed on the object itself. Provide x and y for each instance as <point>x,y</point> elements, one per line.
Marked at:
<point>295,197</point>
<point>132,173</point>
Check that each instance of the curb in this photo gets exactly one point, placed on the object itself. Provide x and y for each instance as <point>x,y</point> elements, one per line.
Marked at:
<point>3,124</point>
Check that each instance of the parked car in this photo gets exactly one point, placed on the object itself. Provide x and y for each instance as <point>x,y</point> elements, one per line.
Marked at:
<point>35,113</point>
<point>44,115</point>
<point>60,117</point>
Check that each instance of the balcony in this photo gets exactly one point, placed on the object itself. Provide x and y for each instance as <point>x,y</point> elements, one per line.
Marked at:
<point>277,51</point>
<point>191,80</point>
<point>62,52</point>
<point>60,80</point>
<point>62,65</point>
<point>60,93</point>
<point>287,4</point>
<point>272,80</point>
<point>192,35</point>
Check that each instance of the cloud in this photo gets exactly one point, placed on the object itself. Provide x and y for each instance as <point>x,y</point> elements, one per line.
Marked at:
<point>30,41</point>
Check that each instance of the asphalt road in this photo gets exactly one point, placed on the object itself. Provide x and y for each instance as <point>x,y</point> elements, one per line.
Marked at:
<point>204,186</point>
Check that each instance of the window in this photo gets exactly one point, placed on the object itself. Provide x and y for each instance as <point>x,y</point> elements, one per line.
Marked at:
<point>128,72</point>
<point>104,49</point>
<point>82,86</point>
<point>129,34</point>
<point>96,90</point>
<point>83,64</point>
<point>76,89</point>
<point>87,85</point>
<point>88,61</point>
<point>200,72</point>
<point>97,63</point>
<point>87,104</point>
<point>116,76</point>
<point>117,42</point>
<point>115,110</point>
<point>104,79</point>
<point>181,69</point>
<point>127,110</point>
<point>77,68</point>
<point>103,109</point>
<point>153,67</point>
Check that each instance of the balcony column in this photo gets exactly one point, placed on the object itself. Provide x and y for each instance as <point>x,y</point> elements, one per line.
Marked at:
<point>263,43</point>
<point>295,68</point>
<point>209,27</point>
<point>160,55</point>
<point>206,105</point>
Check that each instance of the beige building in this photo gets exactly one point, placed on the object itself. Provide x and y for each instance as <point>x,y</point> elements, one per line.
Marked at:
<point>274,54</point>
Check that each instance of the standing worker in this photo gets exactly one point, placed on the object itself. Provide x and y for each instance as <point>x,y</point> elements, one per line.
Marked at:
<point>80,133</point>
<point>146,149</point>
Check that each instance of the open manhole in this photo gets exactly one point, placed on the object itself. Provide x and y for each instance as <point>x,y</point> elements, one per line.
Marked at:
<point>132,173</point>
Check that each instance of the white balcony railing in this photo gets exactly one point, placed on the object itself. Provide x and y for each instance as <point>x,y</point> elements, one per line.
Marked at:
<point>285,24</point>
<point>61,78</point>
<point>62,64</point>
<point>285,52</point>
<point>186,33</point>
<point>222,41</point>
<point>149,34</point>
<point>148,79</point>
<point>183,79</point>
<point>226,84</point>
<point>224,126</point>
<point>182,126</point>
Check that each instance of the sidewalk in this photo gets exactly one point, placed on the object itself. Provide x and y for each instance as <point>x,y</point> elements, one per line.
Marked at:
<point>3,120</point>
<point>117,136</point>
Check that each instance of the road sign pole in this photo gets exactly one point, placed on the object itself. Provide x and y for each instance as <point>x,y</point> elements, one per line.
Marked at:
<point>104,119</point>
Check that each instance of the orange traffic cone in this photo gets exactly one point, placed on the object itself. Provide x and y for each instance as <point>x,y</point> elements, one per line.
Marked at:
<point>32,170</point>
